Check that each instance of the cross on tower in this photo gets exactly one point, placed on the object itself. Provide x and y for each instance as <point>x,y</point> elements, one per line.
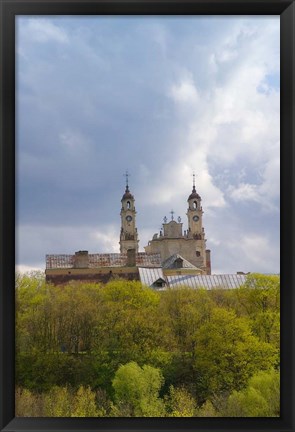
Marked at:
<point>126,175</point>
<point>194,179</point>
<point>172,213</point>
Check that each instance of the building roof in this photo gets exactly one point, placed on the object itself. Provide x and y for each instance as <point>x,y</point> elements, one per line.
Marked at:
<point>194,194</point>
<point>127,194</point>
<point>226,281</point>
<point>148,260</point>
<point>103,260</point>
<point>169,262</point>
<point>148,276</point>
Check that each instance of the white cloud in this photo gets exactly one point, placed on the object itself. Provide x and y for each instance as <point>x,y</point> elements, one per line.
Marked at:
<point>267,256</point>
<point>28,269</point>
<point>108,239</point>
<point>244,191</point>
<point>37,241</point>
<point>43,30</point>
<point>185,91</point>
<point>235,120</point>
<point>266,192</point>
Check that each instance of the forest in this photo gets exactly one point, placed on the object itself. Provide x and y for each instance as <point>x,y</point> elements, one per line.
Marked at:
<point>126,350</point>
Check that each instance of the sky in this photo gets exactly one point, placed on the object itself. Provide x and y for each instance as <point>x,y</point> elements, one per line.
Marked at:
<point>161,97</point>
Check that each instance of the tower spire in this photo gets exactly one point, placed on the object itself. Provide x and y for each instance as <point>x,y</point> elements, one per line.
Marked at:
<point>194,182</point>
<point>127,175</point>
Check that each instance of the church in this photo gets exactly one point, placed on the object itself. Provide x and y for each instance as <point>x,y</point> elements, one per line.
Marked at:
<point>173,256</point>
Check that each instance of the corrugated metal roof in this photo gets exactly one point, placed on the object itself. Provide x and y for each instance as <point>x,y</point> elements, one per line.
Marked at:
<point>169,262</point>
<point>148,276</point>
<point>226,281</point>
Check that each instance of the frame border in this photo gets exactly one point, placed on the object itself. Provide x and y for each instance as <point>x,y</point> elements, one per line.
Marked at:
<point>8,10</point>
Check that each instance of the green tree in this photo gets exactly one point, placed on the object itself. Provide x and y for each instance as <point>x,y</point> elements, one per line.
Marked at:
<point>180,403</point>
<point>127,327</point>
<point>84,404</point>
<point>58,402</point>
<point>228,354</point>
<point>259,299</point>
<point>208,410</point>
<point>137,391</point>
<point>261,398</point>
<point>181,313</point>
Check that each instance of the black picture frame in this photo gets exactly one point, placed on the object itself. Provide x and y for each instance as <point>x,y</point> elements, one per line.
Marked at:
<point>11,8</point>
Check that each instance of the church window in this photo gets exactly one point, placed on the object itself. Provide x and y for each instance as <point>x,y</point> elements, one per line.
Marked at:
<point>198,254</point>
<point>128,204</point>
<point>195,204</point>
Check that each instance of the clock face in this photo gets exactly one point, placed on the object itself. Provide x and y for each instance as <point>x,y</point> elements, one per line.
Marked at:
<point>196,218</point>
<point>129,218</point>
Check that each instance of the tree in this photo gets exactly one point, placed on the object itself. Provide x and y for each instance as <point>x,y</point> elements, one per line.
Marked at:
<point>28,404</point>
<point>127,326</point>
<point>261,398</point>
<point>180,403</point>
<point>84,404</point>
<point>228,354</point>
<point>137,391</point>
<point>182,311</point>
<point>259,299</point>
<point>58,402</point>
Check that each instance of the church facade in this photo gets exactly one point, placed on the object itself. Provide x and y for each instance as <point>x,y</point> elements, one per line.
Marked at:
<point>189,244</point>
<point>172,251</point>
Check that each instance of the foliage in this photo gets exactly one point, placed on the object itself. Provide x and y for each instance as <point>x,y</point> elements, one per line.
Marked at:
<point>28,404</point>
<point>58,402</point>
<point>121,349</point>
<point>180,403</point>
<point>261,398</point>
<point>259,298</point>
<point>227,353</point>
<point>137,390</point>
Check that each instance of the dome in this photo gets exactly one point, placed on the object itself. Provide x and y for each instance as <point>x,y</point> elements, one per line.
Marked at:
<point>127,194</point>
<point>194,194</point>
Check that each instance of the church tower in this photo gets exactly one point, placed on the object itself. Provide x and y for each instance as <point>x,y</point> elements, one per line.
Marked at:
<point>128,236</point>
<point>196,230</point>
<point>195,214</point>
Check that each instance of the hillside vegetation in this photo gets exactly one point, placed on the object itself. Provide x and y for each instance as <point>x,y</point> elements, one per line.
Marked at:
<point>122,349</point>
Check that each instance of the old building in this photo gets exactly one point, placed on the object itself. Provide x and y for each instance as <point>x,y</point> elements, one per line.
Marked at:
<point>189,244</point>
<point>171,253</point>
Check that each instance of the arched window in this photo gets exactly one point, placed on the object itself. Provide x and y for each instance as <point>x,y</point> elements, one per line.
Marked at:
<point>128,204</point>
<point>195,204</point>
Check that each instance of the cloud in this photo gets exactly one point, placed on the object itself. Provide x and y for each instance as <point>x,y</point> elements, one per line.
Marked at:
<point>42,30</point>
<point>27,269</point>
<point>245,191</point>
<point>34,242</point>
<point>266,259</point>
<point>185,92</point>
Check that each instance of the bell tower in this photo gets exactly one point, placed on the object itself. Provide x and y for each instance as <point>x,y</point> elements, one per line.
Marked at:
<point>128,236</point>
<point>196,230</point>
<point>194,213</point>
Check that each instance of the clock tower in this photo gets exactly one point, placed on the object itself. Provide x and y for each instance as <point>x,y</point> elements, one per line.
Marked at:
<point>128,236</point>
<point>196,230</point>
<point>195,214</point>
